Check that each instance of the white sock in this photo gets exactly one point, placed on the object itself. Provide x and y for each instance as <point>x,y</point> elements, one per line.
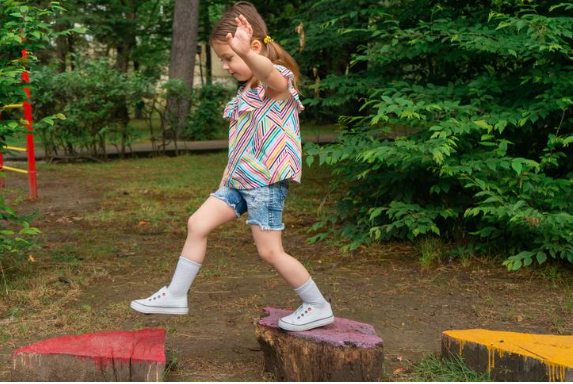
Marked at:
<point>183,277</point>
<point>310,294</point>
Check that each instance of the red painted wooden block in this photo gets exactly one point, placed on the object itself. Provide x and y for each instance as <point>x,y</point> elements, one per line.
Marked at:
<point>104,356</point>
<point>343,351</point>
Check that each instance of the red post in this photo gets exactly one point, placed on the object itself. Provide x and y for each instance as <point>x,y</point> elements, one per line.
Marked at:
<point>2,181</point>
<point>29,136</point>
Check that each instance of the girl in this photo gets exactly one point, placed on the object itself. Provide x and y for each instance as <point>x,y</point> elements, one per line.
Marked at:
<point>264,153</point>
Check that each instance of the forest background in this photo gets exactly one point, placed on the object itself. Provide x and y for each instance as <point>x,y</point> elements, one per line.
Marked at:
<point>454,121</point>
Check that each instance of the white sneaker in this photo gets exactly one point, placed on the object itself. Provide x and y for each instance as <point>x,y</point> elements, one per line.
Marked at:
<point>306,317</point>
<point>162,302</point>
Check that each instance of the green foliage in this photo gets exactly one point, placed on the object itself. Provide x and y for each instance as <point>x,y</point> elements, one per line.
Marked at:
<point>12,240</point>
<point>141,29</point>
<point>205,121</point>
<point>90,98</point>
<point>331,83</point>
<point>484,91</point>
<point>22,26</point>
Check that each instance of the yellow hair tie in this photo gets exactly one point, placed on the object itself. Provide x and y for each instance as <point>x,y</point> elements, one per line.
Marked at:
<point>268,39</point>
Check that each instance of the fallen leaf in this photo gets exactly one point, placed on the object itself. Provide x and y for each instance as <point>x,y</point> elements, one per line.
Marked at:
<point>143,222</point>
<point>31,259</point>
<point>519,318</point>
<point>398,371</point>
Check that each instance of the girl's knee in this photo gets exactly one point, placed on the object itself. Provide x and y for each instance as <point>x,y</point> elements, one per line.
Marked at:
<point>194,228</point>
<point>271,256</point>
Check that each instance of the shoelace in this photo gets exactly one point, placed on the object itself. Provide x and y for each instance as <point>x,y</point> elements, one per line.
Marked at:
<point>303,310</point>
<point>156,297</point>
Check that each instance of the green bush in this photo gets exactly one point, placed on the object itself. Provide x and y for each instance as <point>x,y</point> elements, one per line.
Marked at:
<point>485,92</point>
<point>205,120</point>
<point>22,26</point>
<point>90,97</point>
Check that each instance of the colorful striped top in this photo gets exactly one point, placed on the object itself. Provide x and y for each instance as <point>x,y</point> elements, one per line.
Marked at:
<point>264,137</point>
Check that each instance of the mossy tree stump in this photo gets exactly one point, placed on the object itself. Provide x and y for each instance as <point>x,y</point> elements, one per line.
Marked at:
<point>343,351</point>
<point>512,356</point>
<point>105,356</point>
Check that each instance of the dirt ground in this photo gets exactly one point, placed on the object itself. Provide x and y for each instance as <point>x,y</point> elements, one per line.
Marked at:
<point>112,233</point>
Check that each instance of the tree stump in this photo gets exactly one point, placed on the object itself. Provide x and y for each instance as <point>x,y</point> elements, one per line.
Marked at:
<point>105,356</point>
<point>343,351</point>
<point>512,356</point>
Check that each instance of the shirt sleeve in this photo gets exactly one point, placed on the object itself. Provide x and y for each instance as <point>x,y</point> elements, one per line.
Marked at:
<point>290,77</point>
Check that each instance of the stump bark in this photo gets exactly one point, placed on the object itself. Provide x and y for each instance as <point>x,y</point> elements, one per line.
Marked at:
<point>105,356</point>
<point>512,356</point>
<point>343,351</point>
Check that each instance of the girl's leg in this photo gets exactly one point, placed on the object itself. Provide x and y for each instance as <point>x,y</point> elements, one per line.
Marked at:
<point>172,300</point>
<point>315,311</point>
<point>212,214</point>
<point>270,248</point>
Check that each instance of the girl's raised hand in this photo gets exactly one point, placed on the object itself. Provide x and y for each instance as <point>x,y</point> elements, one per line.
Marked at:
<point>241,42</point>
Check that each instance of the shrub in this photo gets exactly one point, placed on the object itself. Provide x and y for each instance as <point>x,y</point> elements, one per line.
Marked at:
<point>205,119</point>
<point>90,97</point>
<point>22,26</point>
<point>484,90</point>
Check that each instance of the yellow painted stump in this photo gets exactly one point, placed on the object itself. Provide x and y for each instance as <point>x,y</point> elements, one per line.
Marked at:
<point>512,356</point>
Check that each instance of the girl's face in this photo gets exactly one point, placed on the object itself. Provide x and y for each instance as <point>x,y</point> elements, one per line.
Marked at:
<point>232,62</point>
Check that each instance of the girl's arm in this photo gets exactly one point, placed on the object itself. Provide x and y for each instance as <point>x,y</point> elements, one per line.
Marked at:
<point>261,66</point>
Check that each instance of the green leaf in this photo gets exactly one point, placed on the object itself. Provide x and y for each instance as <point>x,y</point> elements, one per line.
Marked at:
<point>482,124</point>
<point>309,160</point>
<point>541,257</point>
<point>516,165</point>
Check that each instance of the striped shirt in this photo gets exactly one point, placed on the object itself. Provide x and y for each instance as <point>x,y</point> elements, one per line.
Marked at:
<point>264,137</point>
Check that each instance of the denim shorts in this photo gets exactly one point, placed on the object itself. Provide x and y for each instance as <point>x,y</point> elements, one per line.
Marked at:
<point>264,204</point>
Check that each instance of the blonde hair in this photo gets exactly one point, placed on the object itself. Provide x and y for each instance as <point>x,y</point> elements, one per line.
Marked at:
<point>272,50</point>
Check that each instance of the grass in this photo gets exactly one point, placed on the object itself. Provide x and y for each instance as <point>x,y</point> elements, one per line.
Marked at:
<point>434,368</point>
<point>430,250</point>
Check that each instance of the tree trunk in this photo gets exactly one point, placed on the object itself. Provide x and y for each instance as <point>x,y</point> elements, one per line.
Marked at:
<point>139,105</point>
<point>124,49</point>
<point>71,50</point>
<point>61,48</point>
<point>343,351</point>
<point>183,52</point>
<point>208,63</point>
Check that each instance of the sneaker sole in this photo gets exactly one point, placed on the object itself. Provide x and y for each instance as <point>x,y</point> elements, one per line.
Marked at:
<point>306,327</point>
<point>158,310</point>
